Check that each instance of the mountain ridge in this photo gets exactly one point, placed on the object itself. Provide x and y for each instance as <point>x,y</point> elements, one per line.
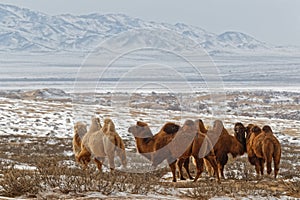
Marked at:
<point>25,30</point>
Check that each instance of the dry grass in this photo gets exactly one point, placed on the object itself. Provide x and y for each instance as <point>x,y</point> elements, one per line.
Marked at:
<point>55,171</point>
<point>51,173</point>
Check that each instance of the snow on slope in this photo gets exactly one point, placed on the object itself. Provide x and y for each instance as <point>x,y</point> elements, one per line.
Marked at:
<point>26,30</point>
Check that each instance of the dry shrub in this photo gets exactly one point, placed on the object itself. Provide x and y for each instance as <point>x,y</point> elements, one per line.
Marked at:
<point>17,182</point>
<point>52,174</point>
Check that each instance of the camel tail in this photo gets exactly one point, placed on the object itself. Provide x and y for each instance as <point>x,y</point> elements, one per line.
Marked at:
<point>268,152</point>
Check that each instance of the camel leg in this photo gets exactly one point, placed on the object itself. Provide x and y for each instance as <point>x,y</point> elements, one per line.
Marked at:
<point>262,163</point>
<point>268,157</point>
<point>212,161</point>
<point>186,167</point>
<point>221,167</point>
<point>199,166</point>
<point>84,157</point>
<point>209,168</point>
<point>172,165</point>
<point>111,161</point>
<point>99,162</point>
<point>257,167</point>
<point>179,164</point>
<point>276,165</point>
<point>122,155</point>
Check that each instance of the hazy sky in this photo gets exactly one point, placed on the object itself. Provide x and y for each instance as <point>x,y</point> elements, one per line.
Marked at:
<point>272,21</point>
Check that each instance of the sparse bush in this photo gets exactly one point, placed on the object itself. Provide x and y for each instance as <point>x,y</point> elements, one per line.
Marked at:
<point>17,182</point>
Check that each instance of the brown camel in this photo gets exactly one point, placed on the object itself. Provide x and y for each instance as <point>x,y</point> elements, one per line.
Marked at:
<point>261,146</point>
<point>266,147</point>
<point>251,132</point>
<point>79,131</point>
<point>207,164</point>
<point>200,148</point>
<point>155,147</point>
<point>225,144</point>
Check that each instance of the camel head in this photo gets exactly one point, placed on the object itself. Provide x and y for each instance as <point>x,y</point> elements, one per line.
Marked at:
<point>170,128</point>
<point>80,129</point>
<point>201,126</point>
<point>140,130</point>
<point>239,133</point>
<point>267,129</point>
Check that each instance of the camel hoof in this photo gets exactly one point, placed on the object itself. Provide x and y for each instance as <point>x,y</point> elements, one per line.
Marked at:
<point>182,178</point>
<point>174,180</point>
<point>112,170</point>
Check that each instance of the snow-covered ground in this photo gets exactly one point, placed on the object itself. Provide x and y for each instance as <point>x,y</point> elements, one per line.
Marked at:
<point>51,113</point>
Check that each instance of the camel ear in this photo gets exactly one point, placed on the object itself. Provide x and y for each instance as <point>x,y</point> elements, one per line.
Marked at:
<point>171,128</point>
<point>142,124</point>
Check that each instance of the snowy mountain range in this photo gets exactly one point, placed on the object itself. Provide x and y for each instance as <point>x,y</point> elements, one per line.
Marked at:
<point>26,30</point>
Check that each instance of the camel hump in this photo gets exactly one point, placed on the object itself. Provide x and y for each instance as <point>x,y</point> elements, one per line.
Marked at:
<point>248,128</point>
<point>239,124</point>
<point>142,124</point>
<point>201,126</point>
<point>199,121</point>
<point>256,130</point>
<point>109,125</point>
<point>267,129</point>
<point>170,128</point>
<point>95,124</point>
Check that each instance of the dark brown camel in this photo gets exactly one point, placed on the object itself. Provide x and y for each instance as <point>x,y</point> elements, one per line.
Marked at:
<point>200,149</point>
<point>154,147</point>
<point>225,144</point>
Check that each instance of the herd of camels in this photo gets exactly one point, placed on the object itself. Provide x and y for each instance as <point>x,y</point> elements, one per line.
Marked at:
<point>176,144</point>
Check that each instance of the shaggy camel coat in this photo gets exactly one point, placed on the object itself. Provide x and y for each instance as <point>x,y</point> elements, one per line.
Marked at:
<point>201,146</point>
<point>103,141</point>
<point>156,147</point>
<point>266,147</point>
<point>113,143</point>
<point>92,144</point>
<point>224,143</point>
